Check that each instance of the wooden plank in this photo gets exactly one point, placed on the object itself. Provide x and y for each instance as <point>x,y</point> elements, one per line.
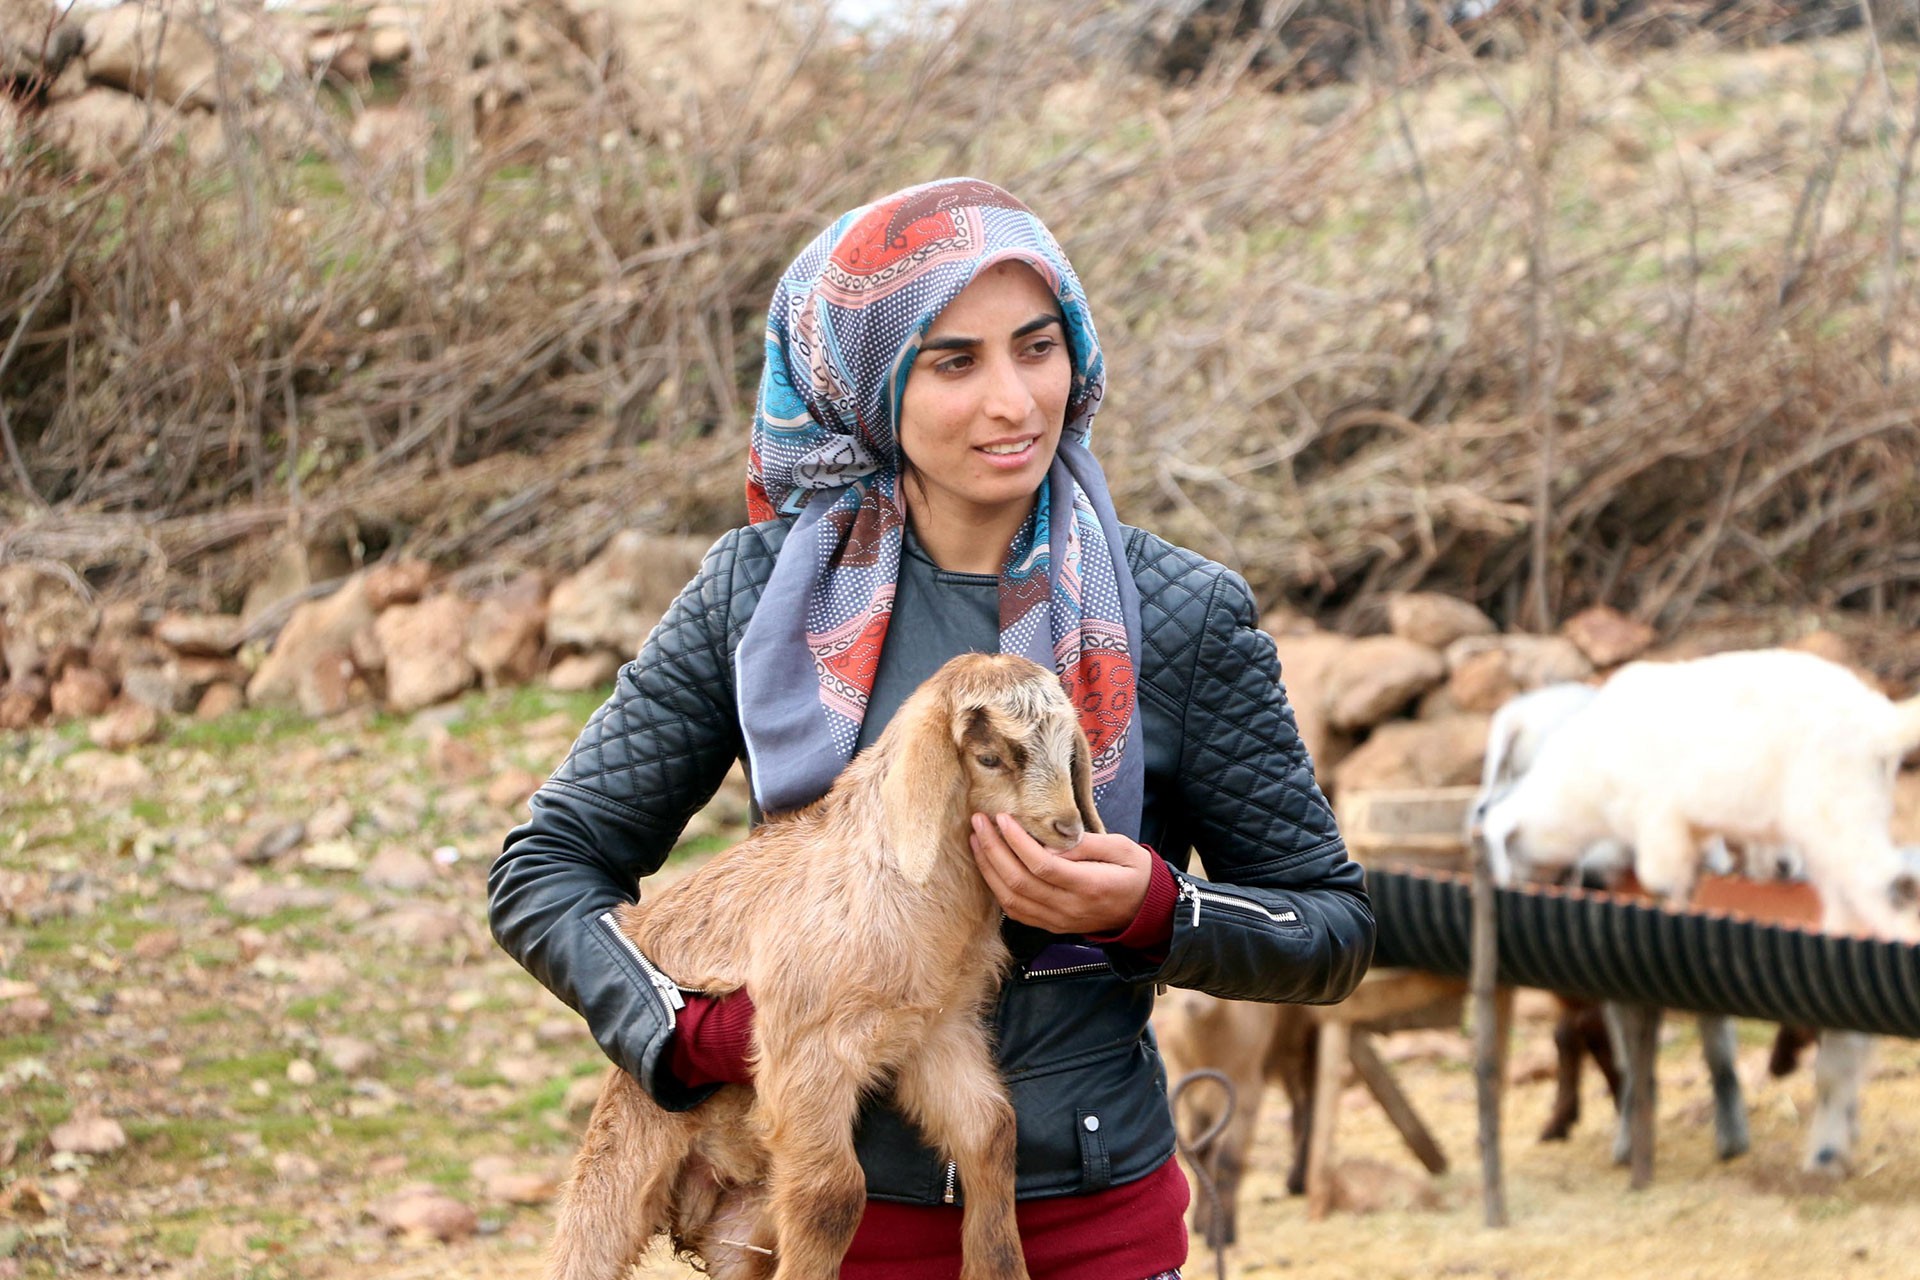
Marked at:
<point>1386,1091</point>
<point>1326,1105</point>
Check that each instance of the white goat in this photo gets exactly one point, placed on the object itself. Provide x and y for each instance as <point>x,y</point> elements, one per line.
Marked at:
<point>1768,746</point>
<point>1519,729</point>
<point>1669,755</point>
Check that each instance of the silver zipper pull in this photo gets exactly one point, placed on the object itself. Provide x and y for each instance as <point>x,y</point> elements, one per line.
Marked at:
<point>1192,895</point>
<point>953,1174</point>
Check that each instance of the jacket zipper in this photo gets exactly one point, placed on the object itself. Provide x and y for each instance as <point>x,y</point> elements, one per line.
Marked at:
<point>662,985</point>
<point>1193,894</point>
<point>953,1173</point>
<point>1027,974</point>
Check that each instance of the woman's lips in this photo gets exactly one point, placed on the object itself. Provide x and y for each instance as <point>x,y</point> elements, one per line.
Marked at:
<point>1010,460</point>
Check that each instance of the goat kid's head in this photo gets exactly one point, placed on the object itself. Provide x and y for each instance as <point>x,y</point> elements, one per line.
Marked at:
<point>986,733</point>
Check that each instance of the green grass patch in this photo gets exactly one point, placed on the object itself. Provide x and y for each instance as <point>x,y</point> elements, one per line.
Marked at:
<point>251,727</point>
<point>241,1069</point>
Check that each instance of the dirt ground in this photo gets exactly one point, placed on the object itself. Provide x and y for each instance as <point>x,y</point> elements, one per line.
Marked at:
<point>281,1035</point>
<point>1571,1213</point>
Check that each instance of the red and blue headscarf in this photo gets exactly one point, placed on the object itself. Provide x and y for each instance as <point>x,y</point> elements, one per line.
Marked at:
<point>846,324</point>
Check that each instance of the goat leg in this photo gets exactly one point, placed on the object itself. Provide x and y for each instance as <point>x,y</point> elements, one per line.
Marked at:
<point>808,1102</point>
<point>1569,1044</point>
<point>621,1186</point>
<point>1838,1070</point>
<point>1717,1042</point>
<point>1638,1031</point>
<point>951,1089</point>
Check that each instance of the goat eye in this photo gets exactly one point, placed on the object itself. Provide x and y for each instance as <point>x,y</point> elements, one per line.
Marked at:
<point>988,761</point>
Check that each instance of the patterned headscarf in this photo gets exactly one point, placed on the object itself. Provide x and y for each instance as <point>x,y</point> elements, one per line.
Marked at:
<point>846,324</point>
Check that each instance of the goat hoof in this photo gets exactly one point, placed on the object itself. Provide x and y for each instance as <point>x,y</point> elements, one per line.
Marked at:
<point>1829,1162</point>
<point>1731,1147</point>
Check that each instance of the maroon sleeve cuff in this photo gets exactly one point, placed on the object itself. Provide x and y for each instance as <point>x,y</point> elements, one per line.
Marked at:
<point>711,1037</point>
<point>1152,927</point>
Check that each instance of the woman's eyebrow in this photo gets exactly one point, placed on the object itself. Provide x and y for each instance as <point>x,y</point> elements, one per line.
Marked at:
<point>956,342</point>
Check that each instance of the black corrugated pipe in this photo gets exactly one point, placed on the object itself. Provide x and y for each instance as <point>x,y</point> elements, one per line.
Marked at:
<point>1604,946</point>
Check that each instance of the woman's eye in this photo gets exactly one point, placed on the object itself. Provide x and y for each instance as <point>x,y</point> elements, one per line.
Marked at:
<point>954,364</point>
<point>988,761</point>
<point>1043,347</point>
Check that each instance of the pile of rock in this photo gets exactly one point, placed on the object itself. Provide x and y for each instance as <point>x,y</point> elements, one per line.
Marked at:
<point>384,635</point>
<point>1408,712</point>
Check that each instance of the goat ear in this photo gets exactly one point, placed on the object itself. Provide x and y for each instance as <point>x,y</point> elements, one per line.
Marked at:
<point>1083,782</point>
<point>923,790</point>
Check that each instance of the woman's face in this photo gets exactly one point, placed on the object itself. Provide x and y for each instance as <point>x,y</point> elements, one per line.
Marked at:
<point>986,399</point>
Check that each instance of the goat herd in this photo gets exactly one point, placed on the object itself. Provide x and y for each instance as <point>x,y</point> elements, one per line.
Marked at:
<point>1778,761</point>
<point>1776,764</point>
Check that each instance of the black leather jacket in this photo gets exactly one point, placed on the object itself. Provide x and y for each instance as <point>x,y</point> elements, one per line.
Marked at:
<point>1284,916</point>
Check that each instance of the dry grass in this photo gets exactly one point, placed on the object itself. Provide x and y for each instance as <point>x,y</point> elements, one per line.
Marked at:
<point>1569,328</point>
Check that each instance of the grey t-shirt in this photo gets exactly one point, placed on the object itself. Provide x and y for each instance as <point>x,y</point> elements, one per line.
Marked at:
<point>936,615</point>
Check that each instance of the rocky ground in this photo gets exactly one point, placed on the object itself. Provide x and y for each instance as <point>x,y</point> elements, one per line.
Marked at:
<point>251,1024</point>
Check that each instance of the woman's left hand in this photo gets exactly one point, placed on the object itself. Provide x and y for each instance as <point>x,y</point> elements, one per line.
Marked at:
<point>1095,887</point>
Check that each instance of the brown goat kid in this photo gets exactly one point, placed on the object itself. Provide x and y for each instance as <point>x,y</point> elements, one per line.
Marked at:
<point>872,950</point>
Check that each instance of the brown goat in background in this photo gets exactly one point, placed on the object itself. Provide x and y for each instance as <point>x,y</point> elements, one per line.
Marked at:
<point>872,948</point>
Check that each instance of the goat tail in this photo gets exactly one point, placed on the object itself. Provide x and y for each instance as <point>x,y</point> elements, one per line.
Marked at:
<point>1907,726</point>
<point>621,1188</point>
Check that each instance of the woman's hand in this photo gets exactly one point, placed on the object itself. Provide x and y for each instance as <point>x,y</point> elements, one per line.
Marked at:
<point>1095,887</point>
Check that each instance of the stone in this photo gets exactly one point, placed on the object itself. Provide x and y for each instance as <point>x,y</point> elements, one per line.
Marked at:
<point>510,790</point>
<point>1830,645</point>
<point>153,50</point>
<point>331,855</point>
<point>1376,677</point>
<point>424,1211</point>
<point>199,635</point>
<point>89,1135</point>
<point>22,701</point>
<point>506,636</point>
<point>1531,661</point>
<point>500,1179</point>
<point>42,614</point>
<point>387,45</point>
<point>1433,619</point>
<point>1411,754</point>
<point>331,821</point>
<point>1608,637</point>
<point>301,1074</point>
<point>24,1015</point>
<point>398,868</point>
<point>615,600</point>
<point>1305,660</point>
<point>127,725</point>
<point>157,945</point>
<point>219,700</point>
<point>79,693</point>
<point>303,667</point>
<point>291,1167</point>
<point>454,759</point>
<point>164,687</point>
<point>397,582</point>
<point>1365,1185</point>
<point>348,1055</point>
<point>424,644</point>
<point>581,671</point>
<point>296,567</point>
<point>37,41</point>
<point>418,925</point>
<point>583,1094</point>
<point>265,843</point>
<point>1482,682</point>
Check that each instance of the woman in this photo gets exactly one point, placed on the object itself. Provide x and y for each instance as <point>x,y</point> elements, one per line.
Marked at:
<point>920,486</point>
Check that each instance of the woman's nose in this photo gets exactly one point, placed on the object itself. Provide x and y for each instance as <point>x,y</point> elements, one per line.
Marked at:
<point>1008,396</point>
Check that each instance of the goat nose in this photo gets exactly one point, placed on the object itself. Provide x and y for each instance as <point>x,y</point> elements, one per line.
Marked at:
<point>1070,829</point>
